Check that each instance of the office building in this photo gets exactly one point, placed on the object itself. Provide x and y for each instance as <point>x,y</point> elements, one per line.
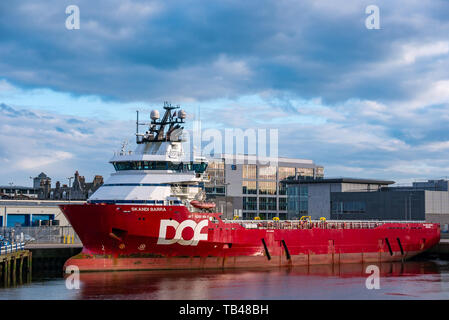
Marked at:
<point>248,186</point>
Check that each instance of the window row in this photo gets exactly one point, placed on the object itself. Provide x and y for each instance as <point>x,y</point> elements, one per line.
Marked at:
<point>160,165</point>
<point>348,207</point>
<point>265,187</point>
<point>265,203</point>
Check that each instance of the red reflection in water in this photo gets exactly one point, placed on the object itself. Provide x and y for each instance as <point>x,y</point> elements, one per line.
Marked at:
<point>346,281</point>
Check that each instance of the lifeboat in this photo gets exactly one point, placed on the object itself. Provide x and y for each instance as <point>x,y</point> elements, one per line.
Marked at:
<point>202,205</point>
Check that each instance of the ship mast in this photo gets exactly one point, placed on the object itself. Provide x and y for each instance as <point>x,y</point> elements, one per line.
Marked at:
<point>156,128</point>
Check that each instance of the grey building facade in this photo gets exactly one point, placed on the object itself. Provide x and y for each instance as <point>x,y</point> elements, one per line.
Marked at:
<point>313,197</point>
<point>364,199</point>
<point>381,205</point>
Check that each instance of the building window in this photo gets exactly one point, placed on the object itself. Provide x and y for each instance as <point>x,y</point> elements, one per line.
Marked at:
<point>267,203</point>
<point>217,165</point>
<point>305,172</point>
<point>319,172</point>
<point>282,204</point>
<point>249,203</point>
<point>297,200</point>
<point>285,172</point>
<point>215,173</point>
<point>15,220</point>
<point>266,187</point>
<point>42,217</point>
<point>249,187</point>
<point>249,215</point>
<point>339,207</point>
<point>220,190</point>
<point>267,173</point>
<point>249,171</point>
<point>282,189</point>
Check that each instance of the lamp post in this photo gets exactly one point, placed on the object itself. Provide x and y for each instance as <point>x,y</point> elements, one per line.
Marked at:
<point>226,184</point>
<point>12,190</point>
<point>408,206</point>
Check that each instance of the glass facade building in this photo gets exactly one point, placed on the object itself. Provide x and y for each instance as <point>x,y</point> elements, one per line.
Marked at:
<point>251,188</point>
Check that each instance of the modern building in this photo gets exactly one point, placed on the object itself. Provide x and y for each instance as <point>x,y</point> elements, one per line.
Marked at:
<point>313,197</point>
<point>390,204</point>
<point>363,199</point>
<point>27,213</point>
<point>248,186</point>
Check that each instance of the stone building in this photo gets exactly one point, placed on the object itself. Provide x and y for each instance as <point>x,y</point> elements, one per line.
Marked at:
<point>78,190</point>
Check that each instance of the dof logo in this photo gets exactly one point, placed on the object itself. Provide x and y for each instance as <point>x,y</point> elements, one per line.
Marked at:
<point>179,227</point>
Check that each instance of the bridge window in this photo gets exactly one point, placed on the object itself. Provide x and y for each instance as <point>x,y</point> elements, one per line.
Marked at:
<point>160,165</point>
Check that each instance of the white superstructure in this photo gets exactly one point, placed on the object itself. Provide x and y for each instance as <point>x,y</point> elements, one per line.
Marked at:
<point>157,172</point>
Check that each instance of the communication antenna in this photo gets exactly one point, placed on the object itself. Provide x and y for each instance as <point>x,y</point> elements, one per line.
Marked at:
<point>124,146</point>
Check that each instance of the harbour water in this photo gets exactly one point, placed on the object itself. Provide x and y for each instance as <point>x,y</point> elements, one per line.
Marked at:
<point>408,280</point>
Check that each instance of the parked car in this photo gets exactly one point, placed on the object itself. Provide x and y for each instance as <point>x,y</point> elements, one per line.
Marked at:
<point>28,238</point>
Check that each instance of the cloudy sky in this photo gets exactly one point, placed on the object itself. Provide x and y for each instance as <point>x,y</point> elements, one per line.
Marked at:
<point>361,102</point>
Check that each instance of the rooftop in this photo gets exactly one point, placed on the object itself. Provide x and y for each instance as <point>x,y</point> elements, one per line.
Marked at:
<point>17,187</point>
<point>340,180</point>
<point>251,158</point>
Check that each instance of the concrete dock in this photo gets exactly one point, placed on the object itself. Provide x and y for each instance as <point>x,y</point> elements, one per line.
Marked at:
<point>441,250</point>
<point>49,257</point>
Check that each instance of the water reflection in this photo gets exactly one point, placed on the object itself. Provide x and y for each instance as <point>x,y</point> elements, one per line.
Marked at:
<point>409,280</point>
<point>398,280</point>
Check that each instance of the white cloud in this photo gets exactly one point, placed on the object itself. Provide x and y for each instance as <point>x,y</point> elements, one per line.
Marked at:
<point>5,86</point>
<point>35,141</point>
<point>412,52</point>
<point>437,146</point>
<point>225,65</point>
<point>435,93</point>
<point>36,161</point>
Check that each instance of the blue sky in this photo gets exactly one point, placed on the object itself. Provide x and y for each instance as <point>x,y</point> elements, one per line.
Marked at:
<point>365,103</point>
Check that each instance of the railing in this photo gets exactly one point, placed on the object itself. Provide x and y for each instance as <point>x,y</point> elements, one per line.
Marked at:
<point>12,248</point>
<point>309,224</point>
<point>42,234</point>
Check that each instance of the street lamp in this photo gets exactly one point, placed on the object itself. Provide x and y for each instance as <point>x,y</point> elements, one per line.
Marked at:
<point>408,206</point>
<point>226,197</point>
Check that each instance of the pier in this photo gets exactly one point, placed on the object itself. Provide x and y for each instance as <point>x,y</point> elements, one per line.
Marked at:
<point>15,264</point>
<point>50,257</point>
<point>441,250</point>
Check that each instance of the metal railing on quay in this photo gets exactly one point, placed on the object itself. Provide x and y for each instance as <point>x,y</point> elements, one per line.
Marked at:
<point>40,235</point>
<point>12,248</point>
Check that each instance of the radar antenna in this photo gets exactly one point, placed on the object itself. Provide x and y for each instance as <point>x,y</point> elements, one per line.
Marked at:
<point>157,127</point>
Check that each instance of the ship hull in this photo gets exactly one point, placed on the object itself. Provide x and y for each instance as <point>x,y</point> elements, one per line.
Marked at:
<point>139,237</point>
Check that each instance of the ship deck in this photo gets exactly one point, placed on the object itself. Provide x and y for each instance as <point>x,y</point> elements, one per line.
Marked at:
<point>310,224</point>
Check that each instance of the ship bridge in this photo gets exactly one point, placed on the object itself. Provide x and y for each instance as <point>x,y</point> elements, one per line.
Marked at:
<point>157,171</point>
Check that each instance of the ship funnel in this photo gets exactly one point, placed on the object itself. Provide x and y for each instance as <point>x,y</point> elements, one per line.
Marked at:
<point>154,115</point>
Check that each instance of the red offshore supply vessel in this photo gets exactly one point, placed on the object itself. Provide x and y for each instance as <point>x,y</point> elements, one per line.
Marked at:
<point>151,214</point>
